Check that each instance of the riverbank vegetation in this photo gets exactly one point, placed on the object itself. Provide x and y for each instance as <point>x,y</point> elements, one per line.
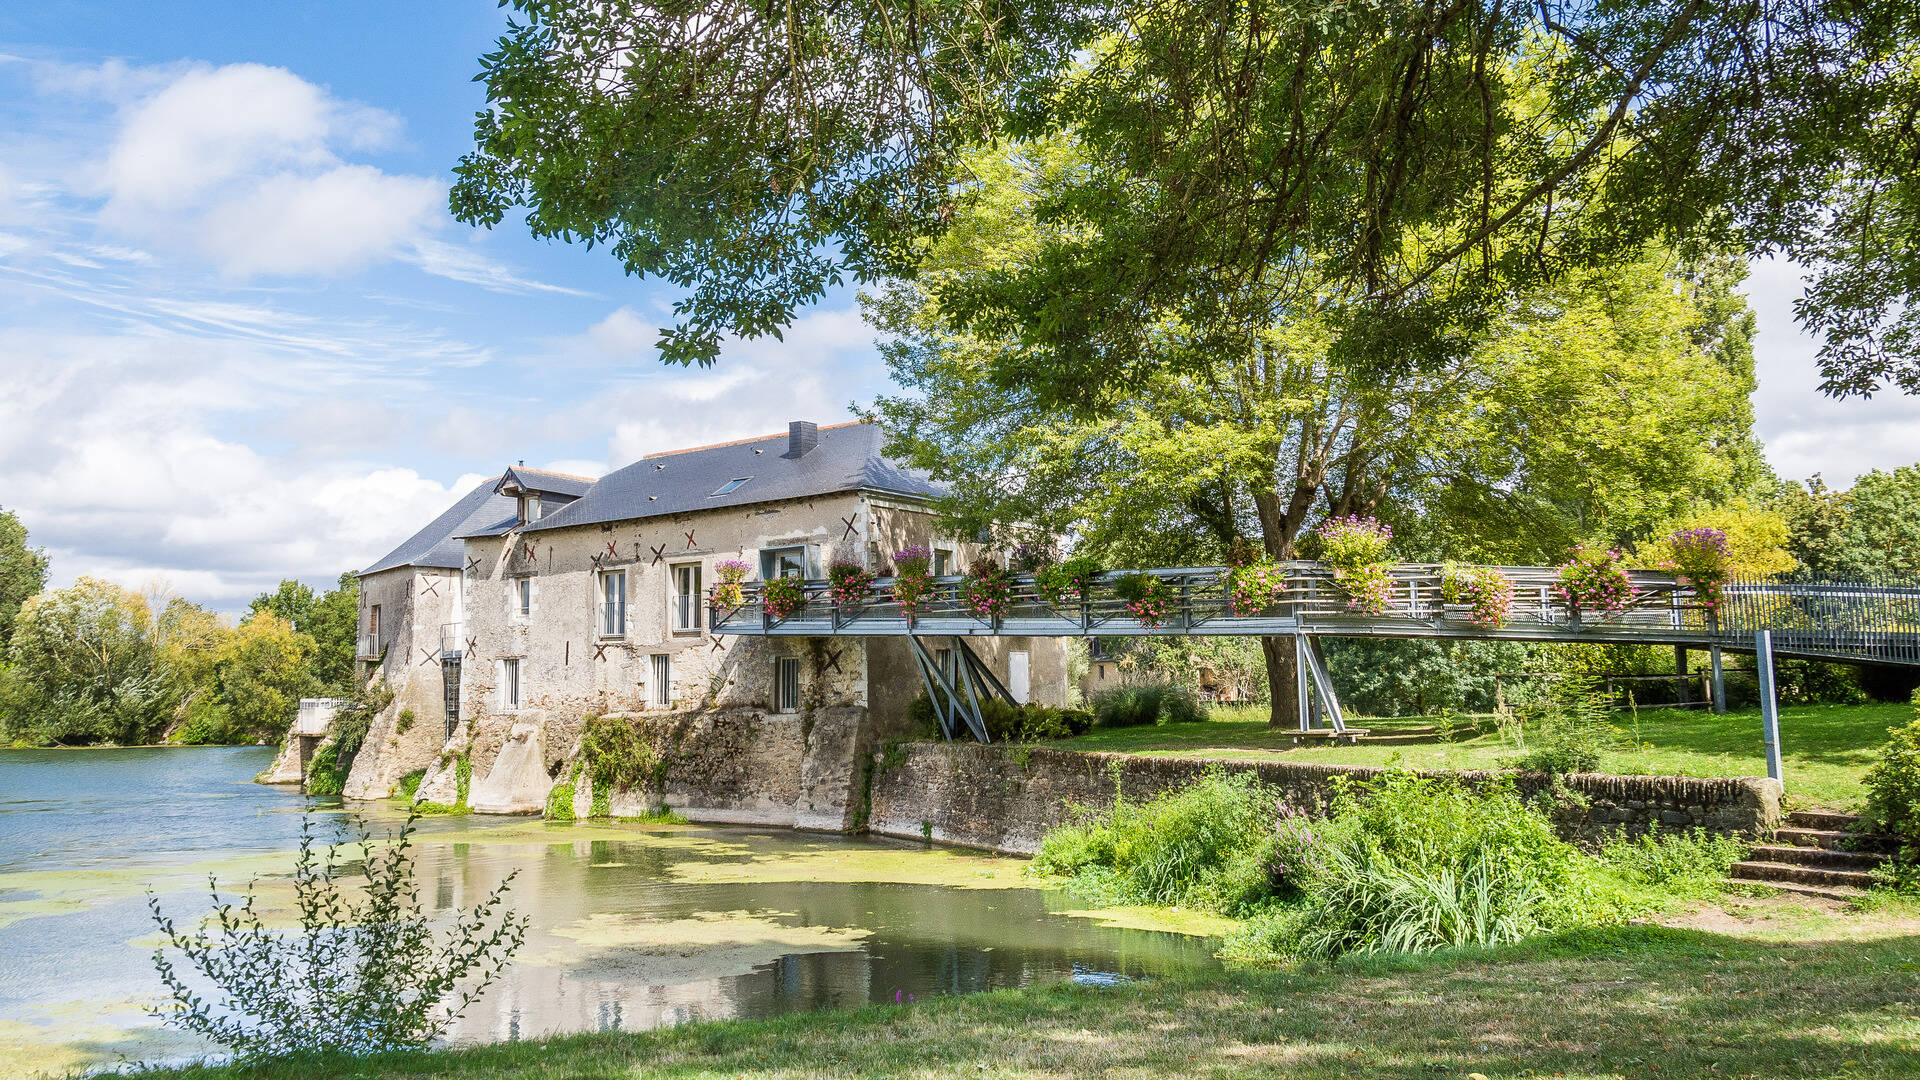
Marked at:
<point>1768,991</point>
<point>1825,749</point>
<point>96,663</point>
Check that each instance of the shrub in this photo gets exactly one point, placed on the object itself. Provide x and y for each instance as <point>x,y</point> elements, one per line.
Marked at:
<point>1486,591</point>
<point>731,573</point>
<point>327,772</point>
<point>618,755</point>
<point>1066,582</point>
<point>1569,722</point>
<point>988,590</point>
<point>1410,864</point>
<point>1700,555</point>
<point>1595,581</point>
<point>850,583</point>
<point>1893,790</point>
<point>1147,596</point>
<point>208,723</point>
<point>1147,703</point>
<point>1253,588</point>
<point>364,973</point>
<point>560,798</point>
<point>409,786</point>
<point>912,578</point>
<point>1356,548</point>
<point>1007,722</point>
<point>782,597</point>
<point>404,722</point>
<point>1685,863</point>
<point>1206,846</point>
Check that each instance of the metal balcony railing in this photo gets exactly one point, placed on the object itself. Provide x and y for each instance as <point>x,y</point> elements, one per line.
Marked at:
<point>453,638</point>
<point>1818,620</point>
<point>367,647</point>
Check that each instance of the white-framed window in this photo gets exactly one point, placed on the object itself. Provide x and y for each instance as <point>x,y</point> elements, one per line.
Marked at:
<point>613,603</point>
<point>783,562</point>
<point>786,684</point>
<point>943,562</point>
<point>662,679</point>
<point>510,684</point>
<point>688,605</point>
<point>529,509</point>
<point>522,597</point>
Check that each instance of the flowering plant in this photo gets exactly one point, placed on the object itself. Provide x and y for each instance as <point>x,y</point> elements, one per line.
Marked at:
<point>1254,587</point>
<point>1594,580</point>
<point>1030,555</point>
<point>1294,838</point>
<point>1356,548</point>
<point>1486,591</point>
<point>849,582</point>
<point>782,597</point>
<point>1700,555</point>
<point>1075,576</point>
<point>912,577</point>
<point>731,573</point>
<point>1147,597</point>
<point>988,590</point>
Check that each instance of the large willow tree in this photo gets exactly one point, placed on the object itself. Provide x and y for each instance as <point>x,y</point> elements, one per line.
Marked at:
<point>1425,159</point>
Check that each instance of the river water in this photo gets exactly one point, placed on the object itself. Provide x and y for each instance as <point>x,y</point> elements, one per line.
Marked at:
<point>633,926</point>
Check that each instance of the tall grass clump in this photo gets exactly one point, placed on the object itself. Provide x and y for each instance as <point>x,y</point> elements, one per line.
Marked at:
<point>1686,863</point>
<point>1207,846</point>
<point>1412,864</point>
<point>1147,703</point>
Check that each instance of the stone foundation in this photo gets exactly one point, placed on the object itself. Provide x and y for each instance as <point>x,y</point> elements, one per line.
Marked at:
<point>1005,798</point>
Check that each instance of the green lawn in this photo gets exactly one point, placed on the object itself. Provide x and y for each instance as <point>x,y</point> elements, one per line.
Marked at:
<point>1649,1001</point>
<point>1825,749</point>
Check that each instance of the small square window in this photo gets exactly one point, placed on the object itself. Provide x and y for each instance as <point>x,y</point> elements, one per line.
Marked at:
<point>730,486</point>
<point>783,562</point>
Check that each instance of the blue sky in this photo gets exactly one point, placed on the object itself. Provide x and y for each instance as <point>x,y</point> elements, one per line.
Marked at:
<point>241,339</point>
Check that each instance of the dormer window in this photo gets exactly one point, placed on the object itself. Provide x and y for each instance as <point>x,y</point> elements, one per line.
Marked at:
<point>730,486</point>
<point>529,509</point>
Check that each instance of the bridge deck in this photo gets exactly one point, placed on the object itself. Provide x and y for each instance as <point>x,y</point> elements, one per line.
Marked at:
<point>1820,621</point>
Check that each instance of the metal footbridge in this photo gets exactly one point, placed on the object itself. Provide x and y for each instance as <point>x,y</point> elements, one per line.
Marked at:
<point>1844,622</point>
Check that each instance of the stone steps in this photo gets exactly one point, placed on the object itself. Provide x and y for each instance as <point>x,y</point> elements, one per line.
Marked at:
<point>1818,853</point>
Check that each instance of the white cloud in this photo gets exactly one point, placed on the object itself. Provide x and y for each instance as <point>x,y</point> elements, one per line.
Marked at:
<point>336,221</point>
<point>1804,430</point>
<point>244,164</point>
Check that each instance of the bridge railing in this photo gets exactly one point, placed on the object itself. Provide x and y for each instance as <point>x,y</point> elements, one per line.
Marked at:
<point>1840,620</point>
<point>1311,596</point>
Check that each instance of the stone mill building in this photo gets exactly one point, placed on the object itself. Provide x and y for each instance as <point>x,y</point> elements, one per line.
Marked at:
<point>540,599</point>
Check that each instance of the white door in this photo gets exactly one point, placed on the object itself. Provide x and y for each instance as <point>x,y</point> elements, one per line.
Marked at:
<point>1019,682</point>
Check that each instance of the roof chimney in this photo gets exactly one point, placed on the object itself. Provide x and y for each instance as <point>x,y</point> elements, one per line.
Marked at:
<point>802,436</point>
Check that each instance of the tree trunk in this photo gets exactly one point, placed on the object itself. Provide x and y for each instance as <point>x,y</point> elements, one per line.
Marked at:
<point>1282,690</point>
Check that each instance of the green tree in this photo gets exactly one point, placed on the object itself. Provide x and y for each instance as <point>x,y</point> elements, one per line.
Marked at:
<point>1588,410</point>
<point>23,571</point>
<point>265,669</point>
<point>1818,518</point>
<point>1883,531</point>
<point>330,619</point>
<point>1419,160</point>
<point>82,669</point>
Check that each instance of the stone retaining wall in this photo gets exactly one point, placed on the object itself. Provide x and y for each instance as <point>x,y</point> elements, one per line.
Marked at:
<point>1005,798</point>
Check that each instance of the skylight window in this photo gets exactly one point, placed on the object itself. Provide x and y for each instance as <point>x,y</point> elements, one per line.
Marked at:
<point>731,486</point>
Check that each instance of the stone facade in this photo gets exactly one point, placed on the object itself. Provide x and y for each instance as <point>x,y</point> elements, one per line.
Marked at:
<point>1005,799</point>
<point>414,603</point>
<point>527,617</point>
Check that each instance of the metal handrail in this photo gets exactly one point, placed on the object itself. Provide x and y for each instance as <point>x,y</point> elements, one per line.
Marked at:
<point>1877,623</point>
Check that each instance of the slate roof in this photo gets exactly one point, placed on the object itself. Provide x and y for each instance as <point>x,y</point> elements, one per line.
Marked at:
<point>847,459</point>
<point>438,544</point>
<point>556,490</point>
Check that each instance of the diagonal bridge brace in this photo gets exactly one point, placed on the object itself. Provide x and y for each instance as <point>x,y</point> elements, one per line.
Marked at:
<point>956,700</point>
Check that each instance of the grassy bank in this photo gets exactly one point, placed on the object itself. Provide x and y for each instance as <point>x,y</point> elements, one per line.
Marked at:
<point>1825,749</point>
<point>1769,991</point>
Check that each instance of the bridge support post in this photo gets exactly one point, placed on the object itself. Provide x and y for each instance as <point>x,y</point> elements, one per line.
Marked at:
<point>1303,695</point>
<point>1719,681</point>
<point>1769,707</point>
